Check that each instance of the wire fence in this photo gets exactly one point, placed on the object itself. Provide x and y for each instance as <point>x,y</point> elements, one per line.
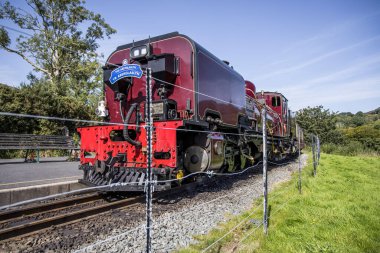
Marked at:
<point>149,127</point>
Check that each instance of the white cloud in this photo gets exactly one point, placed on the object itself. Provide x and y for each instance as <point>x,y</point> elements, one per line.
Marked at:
<point>317,59</point>
<point>335,93</point>
<point>332,31</point>
<point>367,63</point>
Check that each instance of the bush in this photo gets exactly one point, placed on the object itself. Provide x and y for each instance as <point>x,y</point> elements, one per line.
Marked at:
<point>352,148</point>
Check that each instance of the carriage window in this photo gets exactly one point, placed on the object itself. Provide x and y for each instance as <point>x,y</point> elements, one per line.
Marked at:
<point>276,101</point>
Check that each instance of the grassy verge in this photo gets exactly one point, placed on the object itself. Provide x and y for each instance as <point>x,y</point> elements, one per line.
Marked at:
<point>338,211</point>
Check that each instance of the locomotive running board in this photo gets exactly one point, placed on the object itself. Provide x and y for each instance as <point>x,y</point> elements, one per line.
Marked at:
<point>132,180</point>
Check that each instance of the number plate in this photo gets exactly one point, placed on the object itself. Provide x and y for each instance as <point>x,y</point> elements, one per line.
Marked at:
<point>158,108</point>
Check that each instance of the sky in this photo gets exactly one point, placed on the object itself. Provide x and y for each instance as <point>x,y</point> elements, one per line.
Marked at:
<point>315,52</point>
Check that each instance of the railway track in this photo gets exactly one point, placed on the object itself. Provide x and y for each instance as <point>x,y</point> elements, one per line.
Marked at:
<point>30,222</point>
<point>31,225</point>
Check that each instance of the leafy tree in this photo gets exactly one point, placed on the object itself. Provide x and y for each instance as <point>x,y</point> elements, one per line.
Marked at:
<point>35,99</point>
<point>60,41</point>
<point>368,135</point>
<point>319,121</point>
<point>12,101</point>
<point>63,42</point>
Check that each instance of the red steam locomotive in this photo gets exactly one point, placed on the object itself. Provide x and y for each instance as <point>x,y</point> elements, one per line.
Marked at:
<point>206,117</point>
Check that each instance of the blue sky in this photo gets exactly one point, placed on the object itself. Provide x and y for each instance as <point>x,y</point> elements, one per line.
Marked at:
<point>314,52</point>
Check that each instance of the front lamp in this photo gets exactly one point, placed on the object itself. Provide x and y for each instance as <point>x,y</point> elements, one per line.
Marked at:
<point>140,52</point>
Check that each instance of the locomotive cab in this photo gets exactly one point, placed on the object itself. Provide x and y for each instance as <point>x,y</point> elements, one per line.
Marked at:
<point>279,104</point>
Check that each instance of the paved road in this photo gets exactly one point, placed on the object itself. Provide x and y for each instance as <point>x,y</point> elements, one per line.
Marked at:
<point>15,173</point>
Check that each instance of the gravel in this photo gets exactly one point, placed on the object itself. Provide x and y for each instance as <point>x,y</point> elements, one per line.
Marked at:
<point>194,213</point>
<point>176,218</point>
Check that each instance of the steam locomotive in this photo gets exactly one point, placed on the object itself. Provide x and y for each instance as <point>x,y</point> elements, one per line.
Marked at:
<point>206,117</point>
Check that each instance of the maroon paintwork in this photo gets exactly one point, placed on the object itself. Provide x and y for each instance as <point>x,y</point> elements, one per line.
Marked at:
<point>282,127</point>
<point>199,71</point>
<point>202,87</point>
<point>250,89</point>
<point>182,48</point>
<point>224,87</point>
<point>217,79</point>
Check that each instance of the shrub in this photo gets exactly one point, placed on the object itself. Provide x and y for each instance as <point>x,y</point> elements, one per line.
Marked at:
<point>351,148</point>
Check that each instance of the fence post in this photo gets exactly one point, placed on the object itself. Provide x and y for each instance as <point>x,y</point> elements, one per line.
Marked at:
<point>298,129</point>
<point>265,164</point>
<point>318,149</point>
<point>313,151</point>
<point>148,181</point>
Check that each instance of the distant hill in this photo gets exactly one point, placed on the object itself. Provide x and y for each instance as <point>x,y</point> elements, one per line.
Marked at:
<point>376,111</point>
<point>373,112</point>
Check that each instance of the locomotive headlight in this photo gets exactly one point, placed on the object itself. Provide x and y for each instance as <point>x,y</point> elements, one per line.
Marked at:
<point>140,52</point>
<point>136,52</point>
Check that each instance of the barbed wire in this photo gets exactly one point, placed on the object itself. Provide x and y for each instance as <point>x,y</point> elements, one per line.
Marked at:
<point>243,221</point>
<point>258,103</point>
<point>196,92</point>
<point>159,80</point>
<point>115,185</point>
<point>262,222</point>
<point>274,212</point>
<point>99,242</point>
<point>232,229</point>
<point>33,116</point>
<point>88,189</point>
<point>119,184</point>
<point>183,212</point>
<point>22,115</point>
<point>207,173</point>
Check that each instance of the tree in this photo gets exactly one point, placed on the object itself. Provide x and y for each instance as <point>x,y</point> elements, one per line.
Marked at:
<point>368,135</point>
<point>63,42</point>
<point>35,99</point>
<point>319,121</point>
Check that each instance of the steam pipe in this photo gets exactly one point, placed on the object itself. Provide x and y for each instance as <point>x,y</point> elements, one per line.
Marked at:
<point>125,129</point>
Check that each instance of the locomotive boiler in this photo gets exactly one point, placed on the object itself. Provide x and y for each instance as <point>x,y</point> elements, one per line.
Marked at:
<point>206,117</point>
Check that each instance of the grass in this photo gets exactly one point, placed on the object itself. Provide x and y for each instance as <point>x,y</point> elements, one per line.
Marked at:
<point>338,211</point>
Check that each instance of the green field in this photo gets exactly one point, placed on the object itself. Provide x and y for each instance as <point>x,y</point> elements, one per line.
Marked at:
<point>338,211</point>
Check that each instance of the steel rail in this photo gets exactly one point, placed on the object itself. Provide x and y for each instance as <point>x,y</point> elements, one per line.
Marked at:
<point>46,223</point>
<point>36,226</point>
<point>11,214</point>
<point>64,218</point>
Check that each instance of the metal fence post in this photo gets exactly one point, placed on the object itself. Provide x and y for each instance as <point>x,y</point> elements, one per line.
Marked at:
<point>318,149</point>
<point>298,129</point>
<point>314,156</point>
<point>148,181</point>
<point>265,164</point>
